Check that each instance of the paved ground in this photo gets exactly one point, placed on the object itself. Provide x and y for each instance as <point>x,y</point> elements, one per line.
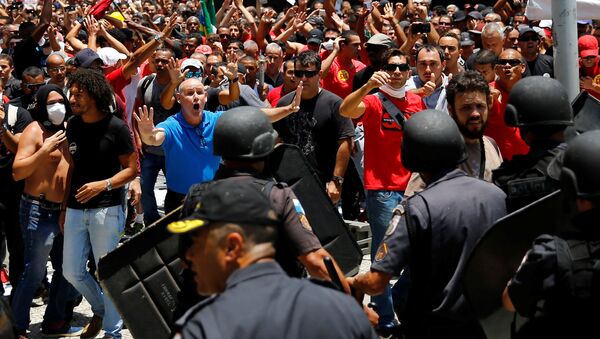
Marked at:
<point>83,312</point>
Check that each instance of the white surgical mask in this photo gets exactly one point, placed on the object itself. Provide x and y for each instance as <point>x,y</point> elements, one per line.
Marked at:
<point>56,113</point>
<point>393,92</point>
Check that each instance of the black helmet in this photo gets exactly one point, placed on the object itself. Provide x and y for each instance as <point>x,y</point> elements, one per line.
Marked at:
<point>538,101</point>
<point>244,133</point>
<point>581,166</point>
<point>432,142</point>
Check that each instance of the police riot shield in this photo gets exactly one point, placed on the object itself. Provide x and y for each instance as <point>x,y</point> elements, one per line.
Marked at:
<point>586,117</point>
<point>288,164</point>
<point>142,277</point>
<point>499,253</point>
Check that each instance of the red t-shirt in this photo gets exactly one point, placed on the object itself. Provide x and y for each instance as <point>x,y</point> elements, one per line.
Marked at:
<point>383,137</point>
<point>274,95</point>
<point>339,78</point>
<point>594,73</point>
<point>118,81</point>
<point>508,138</point>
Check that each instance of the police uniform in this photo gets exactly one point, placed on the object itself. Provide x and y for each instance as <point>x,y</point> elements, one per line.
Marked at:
<point>525,178</point>
<point>434,239</point>
<point>564,272</point>
<point>261,301</point>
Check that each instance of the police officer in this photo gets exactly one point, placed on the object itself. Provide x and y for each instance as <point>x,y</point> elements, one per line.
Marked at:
<point>435,232</point>
<point>564,271</point>
<point>244,137</point>
<point>234,231</point>
<point>540,107</point>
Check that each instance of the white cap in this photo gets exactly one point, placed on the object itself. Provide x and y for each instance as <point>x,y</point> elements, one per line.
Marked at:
<point>191,62</point>
<point>545,24</point>
<point>110,56</point>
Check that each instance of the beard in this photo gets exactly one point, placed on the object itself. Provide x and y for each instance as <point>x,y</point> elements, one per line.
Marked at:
<point>470,134</point>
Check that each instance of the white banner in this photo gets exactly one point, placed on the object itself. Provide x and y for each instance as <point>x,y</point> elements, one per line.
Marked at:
<point>542,9</point>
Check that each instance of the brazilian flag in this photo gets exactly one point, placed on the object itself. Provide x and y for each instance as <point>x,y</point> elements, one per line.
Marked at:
<point>207,16</point>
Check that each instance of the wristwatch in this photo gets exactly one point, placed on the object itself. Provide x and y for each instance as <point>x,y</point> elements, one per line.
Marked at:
<point>337,180</point>
<point>158,38</point>
<point>109,185</point>
<point>234,79</point>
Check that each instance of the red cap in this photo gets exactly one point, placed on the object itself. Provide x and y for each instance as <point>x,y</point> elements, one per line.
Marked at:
<point>204,49</point>
<point>588,45</point>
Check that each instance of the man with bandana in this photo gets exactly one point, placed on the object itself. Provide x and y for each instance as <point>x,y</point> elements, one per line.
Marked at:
<point>40,161</point>
<point>385,177</point>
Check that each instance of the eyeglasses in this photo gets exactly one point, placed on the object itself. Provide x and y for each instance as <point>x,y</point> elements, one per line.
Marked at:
<point>308,74</point>
<point>450,48</point>
<point>528,38</point>
<point>196,74</point>
<point>394,67</point>
<point>57,69</point>
<point>224,36</point>
<point>511,62</point>
<point>445,24</point>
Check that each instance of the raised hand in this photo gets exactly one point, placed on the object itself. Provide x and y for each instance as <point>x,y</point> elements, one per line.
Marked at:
<point>145,120</point>
<point>230,71</point>
<point>91,25</point>
<point>175,73</point>
<point>378,79</point>
<point>388,13</point>
<point>295,105</point>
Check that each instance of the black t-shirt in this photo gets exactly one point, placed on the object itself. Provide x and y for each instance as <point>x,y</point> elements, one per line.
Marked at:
<point>543,64</point>
<point>12,88</point>
<point>7,157</point>
<point>316,128</point>
<point>278,81</point>
<point>95,149</point>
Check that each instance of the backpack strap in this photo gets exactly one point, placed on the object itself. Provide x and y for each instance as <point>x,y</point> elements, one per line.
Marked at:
<point>394,111</point>
<point>145,84</point>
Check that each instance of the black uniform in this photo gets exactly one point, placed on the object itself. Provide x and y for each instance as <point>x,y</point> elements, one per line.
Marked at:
<point>564,272</point>
<point>261,301</point>
<point>434,238</point>
<point>525,178</point>
<point>295,239</point>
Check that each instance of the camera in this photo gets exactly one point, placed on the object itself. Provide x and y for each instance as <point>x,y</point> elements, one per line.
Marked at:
<point>71,8</point>
<point>420,27</point>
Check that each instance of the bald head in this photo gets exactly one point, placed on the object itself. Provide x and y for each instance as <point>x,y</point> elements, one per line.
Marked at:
<point>55,66</point>
<point>55,60</point>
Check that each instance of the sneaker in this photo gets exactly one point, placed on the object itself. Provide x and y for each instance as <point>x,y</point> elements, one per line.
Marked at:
<point>92,329</point>
<point>64,331</point>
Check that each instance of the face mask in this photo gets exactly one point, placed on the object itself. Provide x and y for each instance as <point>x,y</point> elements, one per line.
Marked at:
<point>393,92</point>
<point>56,113</point>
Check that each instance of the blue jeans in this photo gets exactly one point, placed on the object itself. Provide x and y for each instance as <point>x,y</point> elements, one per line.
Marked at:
<point>151,164</point>
<point>380,207</point>
<point>98,230</point>
<point>39,226</point>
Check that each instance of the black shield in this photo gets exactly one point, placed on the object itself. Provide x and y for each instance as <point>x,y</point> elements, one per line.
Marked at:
<point>586,110</point>
<point>499,253</point>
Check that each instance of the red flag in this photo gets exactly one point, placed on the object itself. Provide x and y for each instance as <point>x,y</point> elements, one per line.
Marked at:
<point>100,8</point>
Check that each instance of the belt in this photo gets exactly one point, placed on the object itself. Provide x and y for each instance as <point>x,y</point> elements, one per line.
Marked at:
<point>42,202</point>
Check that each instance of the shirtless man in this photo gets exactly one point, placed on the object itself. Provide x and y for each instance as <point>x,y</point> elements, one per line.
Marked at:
<point>41,162</point>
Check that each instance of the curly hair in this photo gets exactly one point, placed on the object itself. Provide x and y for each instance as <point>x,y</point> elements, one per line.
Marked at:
<point>468,81</point>
<point>97,87</point>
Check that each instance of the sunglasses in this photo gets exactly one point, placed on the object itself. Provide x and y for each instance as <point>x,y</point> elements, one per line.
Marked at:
<point>308,74</point>
<point>57,69</point>
<point>528,38</point>
<point>35,86</point>
<point>196,74</point>
<point>394,67</point>
<point>511,62</point>
<point>224,36</point>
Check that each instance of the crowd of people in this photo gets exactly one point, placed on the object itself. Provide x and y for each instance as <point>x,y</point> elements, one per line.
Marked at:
<point>429,122</point>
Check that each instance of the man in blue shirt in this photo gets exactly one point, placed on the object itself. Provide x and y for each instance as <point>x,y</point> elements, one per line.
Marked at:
<point>187,139</point>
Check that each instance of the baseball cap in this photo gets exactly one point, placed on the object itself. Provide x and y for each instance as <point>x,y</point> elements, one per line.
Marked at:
<point>465,39</point>
<point>588,46</point>
<point>229,201</point>
<point>204,49</point>
<point>86,57</point>
<point>315,36</point>
<point>190,62</point>
<point>475,15</point>
<point>584,22</point>
<point>110,56</point>
<point>380,39</point>
<point>525,30</point>
<point>458,16</point>
<point>545,24</point>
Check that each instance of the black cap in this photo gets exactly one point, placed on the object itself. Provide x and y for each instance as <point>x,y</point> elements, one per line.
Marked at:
<point>315,36</point>
<point>458,16</point>
<point>86,57</point>
<point>475,15</point>
<point>232,201</point>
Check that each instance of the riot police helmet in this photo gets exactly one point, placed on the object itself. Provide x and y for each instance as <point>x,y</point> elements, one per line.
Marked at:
<point>538,101</point>
<point>244,133</point>
<point>581,167</point>
<point>432,142</point>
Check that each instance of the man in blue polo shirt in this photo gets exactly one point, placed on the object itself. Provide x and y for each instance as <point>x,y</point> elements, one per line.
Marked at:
<point>187,139</point>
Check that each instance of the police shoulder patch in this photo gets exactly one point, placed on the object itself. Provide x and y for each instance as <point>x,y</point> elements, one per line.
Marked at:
<point>298,206</point>
<point>382,251</point>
